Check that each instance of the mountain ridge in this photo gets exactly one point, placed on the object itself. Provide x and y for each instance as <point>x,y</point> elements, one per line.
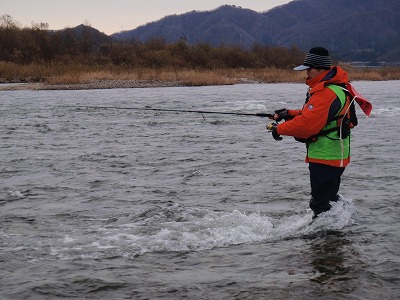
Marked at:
<point>353,30</point>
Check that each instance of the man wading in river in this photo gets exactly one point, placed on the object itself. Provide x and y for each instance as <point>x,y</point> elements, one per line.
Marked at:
<point>317,125</point>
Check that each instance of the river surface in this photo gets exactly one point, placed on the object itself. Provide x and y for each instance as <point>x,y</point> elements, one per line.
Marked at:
<point>133,204</point>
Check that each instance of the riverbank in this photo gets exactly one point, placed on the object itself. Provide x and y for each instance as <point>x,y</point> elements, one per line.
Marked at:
<point>142,78</point>
<point>95,84</point>
<point>145,78</point>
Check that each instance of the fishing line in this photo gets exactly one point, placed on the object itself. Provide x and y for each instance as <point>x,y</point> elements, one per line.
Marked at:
<point>262,115</point>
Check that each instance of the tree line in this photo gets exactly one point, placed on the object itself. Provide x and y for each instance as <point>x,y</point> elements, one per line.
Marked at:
<point>86,45</point>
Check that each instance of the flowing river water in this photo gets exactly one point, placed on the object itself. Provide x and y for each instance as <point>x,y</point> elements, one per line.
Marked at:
<point>132,204</point>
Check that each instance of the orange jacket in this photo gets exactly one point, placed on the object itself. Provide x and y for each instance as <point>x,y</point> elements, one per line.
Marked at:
<point>313,117</point>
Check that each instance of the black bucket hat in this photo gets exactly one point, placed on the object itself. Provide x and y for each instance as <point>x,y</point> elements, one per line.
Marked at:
<point>318,58</point>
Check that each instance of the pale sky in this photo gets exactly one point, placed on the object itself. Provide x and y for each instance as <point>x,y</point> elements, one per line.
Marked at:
<point>111,16</point>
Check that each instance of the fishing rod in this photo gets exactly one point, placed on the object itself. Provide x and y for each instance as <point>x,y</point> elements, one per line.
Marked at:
<point>262,115</point>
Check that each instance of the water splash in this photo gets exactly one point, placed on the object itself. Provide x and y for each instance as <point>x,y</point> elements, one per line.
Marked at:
<point>180,229</point>
<point>338,217</point>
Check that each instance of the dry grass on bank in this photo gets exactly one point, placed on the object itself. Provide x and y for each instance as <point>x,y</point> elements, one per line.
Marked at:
<point>82,74</point>
<point>182,77</point>
<point>374,74</point>
<point>187,77</point>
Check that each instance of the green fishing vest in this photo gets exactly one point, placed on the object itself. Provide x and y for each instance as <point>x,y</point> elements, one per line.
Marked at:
<point>329,146</point>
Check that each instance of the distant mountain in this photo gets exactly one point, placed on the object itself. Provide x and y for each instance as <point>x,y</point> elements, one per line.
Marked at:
<point>91,37</point>
<point>82,31</point>
<point>225,25</point>
<point>351,29</point>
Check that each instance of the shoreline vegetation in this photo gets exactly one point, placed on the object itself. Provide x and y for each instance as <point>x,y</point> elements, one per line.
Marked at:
<point>82,58</point>
<point>103,78</point>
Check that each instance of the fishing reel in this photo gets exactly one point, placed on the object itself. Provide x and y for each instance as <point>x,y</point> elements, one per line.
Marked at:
<point>271,127</point>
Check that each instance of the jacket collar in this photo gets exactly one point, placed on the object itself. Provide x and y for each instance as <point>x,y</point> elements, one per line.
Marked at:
<point>334,75</point>
<point>317,82</point>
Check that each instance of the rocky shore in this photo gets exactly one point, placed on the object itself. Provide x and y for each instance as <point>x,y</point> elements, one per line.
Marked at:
<point>95,84</point>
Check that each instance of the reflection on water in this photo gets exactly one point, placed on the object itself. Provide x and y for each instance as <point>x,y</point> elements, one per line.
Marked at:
<point>329,257</point>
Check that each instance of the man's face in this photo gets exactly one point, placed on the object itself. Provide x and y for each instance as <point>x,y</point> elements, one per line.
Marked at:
<point>312,73</point>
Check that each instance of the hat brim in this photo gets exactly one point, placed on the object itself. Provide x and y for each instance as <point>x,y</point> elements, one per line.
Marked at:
<point>301,68</point>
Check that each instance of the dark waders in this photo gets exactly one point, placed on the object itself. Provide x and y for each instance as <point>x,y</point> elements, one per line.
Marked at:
<point>325,183</point>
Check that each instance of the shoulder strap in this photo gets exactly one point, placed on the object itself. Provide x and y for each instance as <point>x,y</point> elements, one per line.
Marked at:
<point>337,90</point>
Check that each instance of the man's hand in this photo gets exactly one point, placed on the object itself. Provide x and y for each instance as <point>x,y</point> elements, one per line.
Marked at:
<point>282,114</point>
<point>272,127</point>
